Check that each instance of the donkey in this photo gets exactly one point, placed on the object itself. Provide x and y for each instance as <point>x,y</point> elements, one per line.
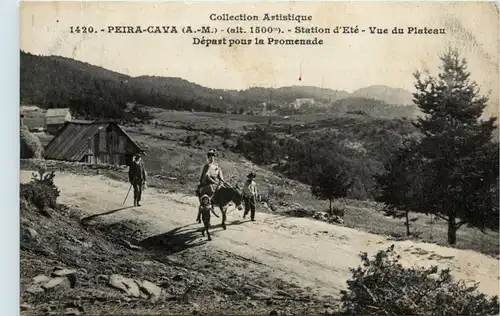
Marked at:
<point>223,196</point>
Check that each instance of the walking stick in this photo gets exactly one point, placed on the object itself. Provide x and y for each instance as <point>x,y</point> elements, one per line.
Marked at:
<point>127,194</point>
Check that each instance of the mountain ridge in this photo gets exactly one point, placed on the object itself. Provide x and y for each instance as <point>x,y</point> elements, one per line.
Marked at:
<point>54,81</point>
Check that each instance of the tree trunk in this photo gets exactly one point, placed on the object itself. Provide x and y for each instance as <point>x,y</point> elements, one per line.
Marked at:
<point>407,223</point>
<point>452,230</point>
<point>331,208</point>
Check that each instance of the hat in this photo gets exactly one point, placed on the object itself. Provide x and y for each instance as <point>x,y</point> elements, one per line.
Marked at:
<point>211,152</point>
<point>140,153</point>
<point>251,175</point>
<point>205,197</point>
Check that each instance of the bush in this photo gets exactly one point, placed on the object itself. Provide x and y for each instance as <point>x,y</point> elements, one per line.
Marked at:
<point>31,147</point>
<point>383,287</point>
<point>41,192</point>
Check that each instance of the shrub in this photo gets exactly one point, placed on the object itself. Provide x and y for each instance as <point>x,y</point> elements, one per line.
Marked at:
<point>382,286</point>
<point>31,147</point>
<point>41,192</point>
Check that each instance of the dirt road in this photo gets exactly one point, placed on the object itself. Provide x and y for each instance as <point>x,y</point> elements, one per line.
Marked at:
<point>304,251</point>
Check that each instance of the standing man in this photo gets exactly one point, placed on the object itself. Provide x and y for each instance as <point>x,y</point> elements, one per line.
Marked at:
<point>250,195</point>
<point>137,177</point>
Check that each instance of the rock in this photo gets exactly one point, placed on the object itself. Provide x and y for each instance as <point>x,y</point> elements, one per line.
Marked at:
<point>151,289</point>
<point>128,286</point>
<point>41,278</point>
<point>63,272</point>
<point>329,312</point>
<point>71,311</point>
<point>69,273</point>
<point>54,282</point>
<point>25,307</point>
<point>33,233</point>
<point>25,222</point>
<point>273,313</point>
<point>116,281</point>
<point>34,289</point>
<point>269,302</point>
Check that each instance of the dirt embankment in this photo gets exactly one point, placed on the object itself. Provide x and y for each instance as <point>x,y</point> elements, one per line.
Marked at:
<point>252,267</point>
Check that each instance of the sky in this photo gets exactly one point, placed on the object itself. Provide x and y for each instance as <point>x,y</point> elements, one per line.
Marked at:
<point>344,62</point>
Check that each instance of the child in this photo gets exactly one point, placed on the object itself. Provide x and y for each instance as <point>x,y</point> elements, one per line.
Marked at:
<point>205,209</point>
<point>250,196</point>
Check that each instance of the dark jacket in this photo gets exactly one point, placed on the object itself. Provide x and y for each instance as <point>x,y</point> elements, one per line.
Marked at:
<point>136,172</point>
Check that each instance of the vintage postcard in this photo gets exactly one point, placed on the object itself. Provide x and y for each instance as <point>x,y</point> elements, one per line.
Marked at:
<point>258,158</point>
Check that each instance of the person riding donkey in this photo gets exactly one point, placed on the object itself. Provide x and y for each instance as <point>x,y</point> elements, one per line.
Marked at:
<point>204,210</point>
<point>211,180</point>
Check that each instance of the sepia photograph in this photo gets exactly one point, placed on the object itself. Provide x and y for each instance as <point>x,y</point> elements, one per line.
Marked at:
<point>259,158</point>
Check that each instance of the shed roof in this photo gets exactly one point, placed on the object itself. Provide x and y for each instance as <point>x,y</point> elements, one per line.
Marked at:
<point>70,144</point>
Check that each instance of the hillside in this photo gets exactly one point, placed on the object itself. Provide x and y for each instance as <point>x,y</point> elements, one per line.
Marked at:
<point>395,96</point>
<point>52,81</point>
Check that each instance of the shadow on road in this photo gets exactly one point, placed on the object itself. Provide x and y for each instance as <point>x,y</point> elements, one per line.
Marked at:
<point>91,217</point>
<point>230,223</point>
<point>176,240</point>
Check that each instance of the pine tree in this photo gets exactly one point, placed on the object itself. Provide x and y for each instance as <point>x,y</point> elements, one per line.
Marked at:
<point>460,158</point>
<point>329,182</point>
<point>401,185</point>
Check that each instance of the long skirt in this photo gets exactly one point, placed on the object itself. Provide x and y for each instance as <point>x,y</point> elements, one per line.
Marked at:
<point>207,190</point>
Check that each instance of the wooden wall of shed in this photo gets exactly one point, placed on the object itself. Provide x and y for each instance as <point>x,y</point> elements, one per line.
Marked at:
<point>111,146</point>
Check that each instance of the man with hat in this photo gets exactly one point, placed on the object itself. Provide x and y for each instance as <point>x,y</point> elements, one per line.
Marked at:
<point>250,195</point>
<point>137,177</point>
<point>211,177</point>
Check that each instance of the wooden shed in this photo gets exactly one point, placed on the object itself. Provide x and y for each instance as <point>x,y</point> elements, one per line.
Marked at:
<point>92,142</point>
<point>56,118</point>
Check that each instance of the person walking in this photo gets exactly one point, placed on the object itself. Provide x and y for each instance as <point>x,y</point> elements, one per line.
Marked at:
<point>250,196</point>
<point>204,210</point>
<point>137,177</point>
